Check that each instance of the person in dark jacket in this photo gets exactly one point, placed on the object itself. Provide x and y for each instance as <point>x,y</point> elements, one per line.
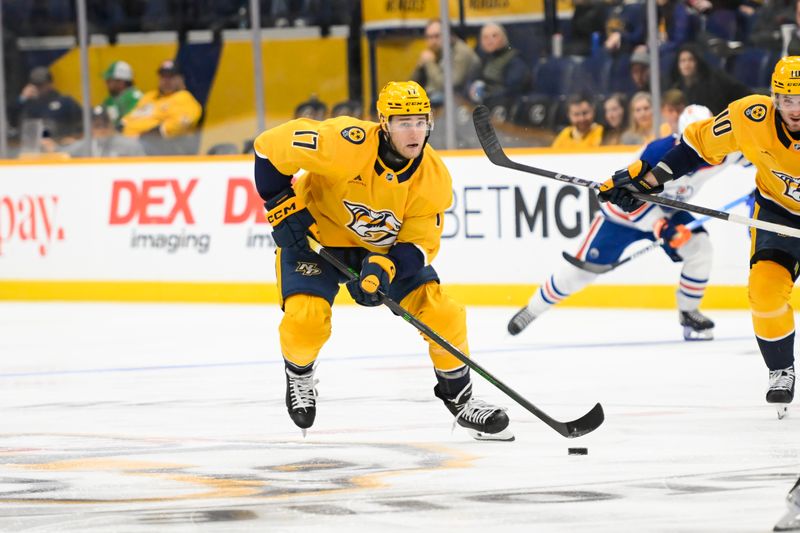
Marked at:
<point>702,84</point>
<point>61,114</point>
<point>503,74</point>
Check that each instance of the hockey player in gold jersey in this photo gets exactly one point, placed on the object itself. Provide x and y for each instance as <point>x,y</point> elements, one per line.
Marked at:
<point>767,131</point>
<point>374,194</point>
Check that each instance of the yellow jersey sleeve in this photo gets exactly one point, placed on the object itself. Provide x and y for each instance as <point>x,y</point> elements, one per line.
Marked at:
<point>331,147</point>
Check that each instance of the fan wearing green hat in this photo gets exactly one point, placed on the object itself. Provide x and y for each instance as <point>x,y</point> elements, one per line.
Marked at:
<point>122,93</point>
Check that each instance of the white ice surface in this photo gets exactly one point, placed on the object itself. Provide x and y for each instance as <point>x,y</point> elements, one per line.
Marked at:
<point>167,418</point>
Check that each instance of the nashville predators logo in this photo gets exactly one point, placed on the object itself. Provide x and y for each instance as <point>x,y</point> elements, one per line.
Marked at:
<point>756,112</point>
<point>308,269</point>
<point>354,134</point>
<point>378,228</point>
<point>791,184</point>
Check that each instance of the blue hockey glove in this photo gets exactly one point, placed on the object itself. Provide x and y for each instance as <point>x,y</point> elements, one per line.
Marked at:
<point>619,187</point>
<point>291,221</point>
<point>377,273</point>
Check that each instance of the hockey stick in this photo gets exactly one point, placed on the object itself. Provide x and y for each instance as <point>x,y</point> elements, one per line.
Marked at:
<point>488,138</point>
<point>602,269</point>
<point>583,425</point>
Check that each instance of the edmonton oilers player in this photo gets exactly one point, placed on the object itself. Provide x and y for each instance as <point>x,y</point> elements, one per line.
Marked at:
<point>613,230</point>
<point>374,194</point>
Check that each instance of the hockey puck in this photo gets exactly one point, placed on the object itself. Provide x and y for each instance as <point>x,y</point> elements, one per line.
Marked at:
<point>578,451</point>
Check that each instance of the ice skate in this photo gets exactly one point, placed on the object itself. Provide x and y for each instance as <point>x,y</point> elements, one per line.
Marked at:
<point>791,520</point>
<point>520,320</point>
<point>482,420</point>
<point>781,389</point>
<point>301,397</point>
<point>696,326</point>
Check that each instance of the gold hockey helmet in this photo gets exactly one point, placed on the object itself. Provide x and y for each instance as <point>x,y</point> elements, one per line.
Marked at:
<point>786,76</point>
<point>402,98</point>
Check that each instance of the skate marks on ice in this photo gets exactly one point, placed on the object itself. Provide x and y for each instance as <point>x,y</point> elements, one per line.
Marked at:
<point>163,480</point>
<point>55,482</point>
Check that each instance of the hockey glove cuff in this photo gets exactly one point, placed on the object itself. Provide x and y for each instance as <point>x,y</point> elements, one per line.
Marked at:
<point>291,221</point>
<point>619,187</point>
<point>377,273</point>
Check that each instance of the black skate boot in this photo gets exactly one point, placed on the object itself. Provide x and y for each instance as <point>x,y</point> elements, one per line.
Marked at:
<point>696,326</point>
<point>520,320</point>
<point>301,396</point>
<point>482,420</point>
<point>781,389</point>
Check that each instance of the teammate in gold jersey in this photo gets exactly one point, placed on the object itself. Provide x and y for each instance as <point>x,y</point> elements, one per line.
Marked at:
<point>767,131</point>
<point>374,194</point>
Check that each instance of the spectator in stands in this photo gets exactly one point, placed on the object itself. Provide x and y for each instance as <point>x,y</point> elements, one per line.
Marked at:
<point>769,18</point>
<point>615,116</point>
<point>583,131</point>
<point>640,129</point>
<point>588,23</point>
<point>793,48</point>
<point>503,75</point>
<point>703,85</point>
<point>430,70</point>
<point>165,119</point>
<point>625,27</point>
<point>60,114</point>
<point>680,23</point>
<point>673,102</point>
<point>122,94</point>
<point>640,69</point>
<point>105,141</point>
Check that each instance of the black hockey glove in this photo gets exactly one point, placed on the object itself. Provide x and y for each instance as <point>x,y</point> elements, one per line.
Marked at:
<point>291,221</point>
<point>377,273</point>
<point>618,189</point>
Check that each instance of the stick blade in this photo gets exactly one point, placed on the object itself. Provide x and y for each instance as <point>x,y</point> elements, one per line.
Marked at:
<point>481,119</point>
<point>584,265</point>
<point>585,424</point>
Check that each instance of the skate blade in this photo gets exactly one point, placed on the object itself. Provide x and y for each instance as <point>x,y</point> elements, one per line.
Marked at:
<point>503,436</point>
<point>690,334</point>
<point>789,522</point>
<point>783,410</point>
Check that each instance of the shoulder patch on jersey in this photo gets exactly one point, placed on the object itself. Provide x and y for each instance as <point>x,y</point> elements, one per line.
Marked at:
<point>354,134</point>
<point>756,112</point>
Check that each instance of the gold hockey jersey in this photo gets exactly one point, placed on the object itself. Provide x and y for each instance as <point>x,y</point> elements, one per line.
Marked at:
<point>753,126</point>
<point>354,197</point>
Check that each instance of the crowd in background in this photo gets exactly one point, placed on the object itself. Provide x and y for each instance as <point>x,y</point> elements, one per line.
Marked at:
<point>590,88</point>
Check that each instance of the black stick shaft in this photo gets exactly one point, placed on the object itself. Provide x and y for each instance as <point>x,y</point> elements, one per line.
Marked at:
<point>575,428</point>
<point>494,151</point>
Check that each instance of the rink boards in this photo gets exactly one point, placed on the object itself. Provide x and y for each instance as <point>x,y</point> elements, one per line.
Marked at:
<point>172,229</point>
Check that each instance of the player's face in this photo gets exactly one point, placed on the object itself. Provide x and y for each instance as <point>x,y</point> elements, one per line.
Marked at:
<point>789,107</point>
<point>407,134</point>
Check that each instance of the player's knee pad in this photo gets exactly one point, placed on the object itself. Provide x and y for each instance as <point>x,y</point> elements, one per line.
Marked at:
<point>445,316</point>
<point>769,290</point>
<point>305,327</point>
